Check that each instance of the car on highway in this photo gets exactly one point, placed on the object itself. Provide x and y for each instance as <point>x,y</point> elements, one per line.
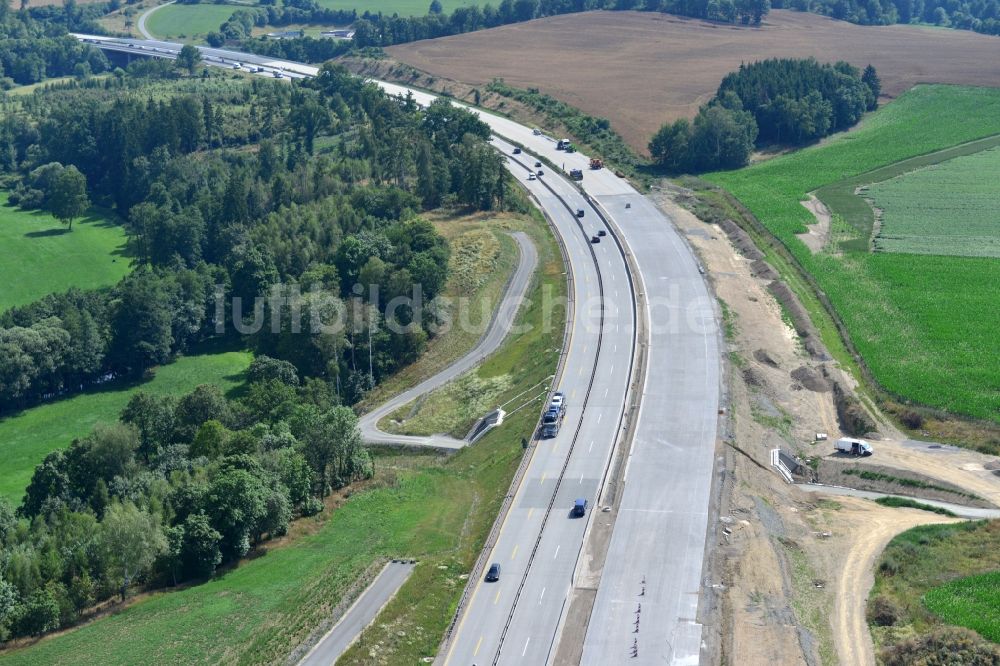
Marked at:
<point>558,400</point>
<point>595,239</point>
<point>279,75</point>
<point>517,151</point>
<point>579,508</point>
<point>538,164</point>
<point>579,212</point>
<point>540,173</point>
<point>532,176</point>
<point>536,132</point>
<point>493,575</point>
<point>602,233</point>
<point>237,66</point>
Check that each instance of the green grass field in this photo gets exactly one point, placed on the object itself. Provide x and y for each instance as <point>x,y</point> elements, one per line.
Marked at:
<point>969,602</point>
<point>39,255</point>
<point>949,208</point>
<point>923,575</point>
<point>434,508</point>
<point>924,324</point>
<point>188,21</point>
<point>27,437</point>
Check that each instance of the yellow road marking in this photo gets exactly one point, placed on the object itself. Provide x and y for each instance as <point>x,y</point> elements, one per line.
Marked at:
<point>478,643</point>
<point>514,553</point>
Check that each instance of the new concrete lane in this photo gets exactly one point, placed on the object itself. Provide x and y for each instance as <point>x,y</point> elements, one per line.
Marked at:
<point>496,333</point>
<point>653,575</point>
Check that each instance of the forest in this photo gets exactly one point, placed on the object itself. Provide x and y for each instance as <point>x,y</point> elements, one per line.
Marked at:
<point>777,102</point>
<point>228,188</point>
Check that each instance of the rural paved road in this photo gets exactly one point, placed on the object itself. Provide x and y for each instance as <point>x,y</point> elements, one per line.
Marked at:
<point>660,532</point>
<point>496,333</point>
<point>359,615</point>
<point>958,509</point>
<point>140,25</point>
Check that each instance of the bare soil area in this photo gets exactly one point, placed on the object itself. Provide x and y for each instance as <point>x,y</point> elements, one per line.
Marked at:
<point>819,234</point>
<point>791,571</point>
<point>641,69</point>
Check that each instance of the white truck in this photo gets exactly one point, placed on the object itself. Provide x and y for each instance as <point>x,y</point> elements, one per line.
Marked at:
<point>854,447</point>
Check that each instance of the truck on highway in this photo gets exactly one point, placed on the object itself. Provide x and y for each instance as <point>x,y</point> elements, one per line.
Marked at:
<point>579,508</point>
<point>596,163</point>
<point>854,447</point>
<point>551,421</point>
<point>553,416</point>
<point>576,174</point>
<point>562,143</point>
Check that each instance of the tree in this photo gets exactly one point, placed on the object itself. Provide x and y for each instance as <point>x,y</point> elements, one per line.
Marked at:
<point>669,146</point>
<point>435,7</point>
<point>67,198</point>
<point>200,552</point>
<point>204,403</point>
<point>330,444</point>
<point>8,607</point>
<point>211,440</point>
<point>188,58</point>
<point>870,79</point>
<point>153,416</point>
<point>236,503</point>
<point>38,614</point>
<point>132,540</point>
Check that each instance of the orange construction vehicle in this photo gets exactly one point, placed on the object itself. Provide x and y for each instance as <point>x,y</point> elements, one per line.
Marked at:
<point>596,163</point>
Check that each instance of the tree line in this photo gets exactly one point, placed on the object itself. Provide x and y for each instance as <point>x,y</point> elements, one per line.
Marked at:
<point>771,102</point>
<point>204,213</point>
<point>978,15</point>
<point>173,490</point>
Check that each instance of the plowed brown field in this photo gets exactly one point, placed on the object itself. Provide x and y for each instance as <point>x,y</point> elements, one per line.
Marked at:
<point>641,69</point>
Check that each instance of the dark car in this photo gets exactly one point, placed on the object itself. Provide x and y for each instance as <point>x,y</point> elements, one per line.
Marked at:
<point>579,508</point>
<point>493,575</point>
<point>538,164</point>
<point>539,173</point>
<point>595,239</point>
<point>517,151</point>
<point>602,233</point>
<point>579,212</point>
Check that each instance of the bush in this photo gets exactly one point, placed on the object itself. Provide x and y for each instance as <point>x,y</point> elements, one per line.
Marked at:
<point>950,645</point>
<point>912,420</point>
<point>883,612</point>
<point>312,506</point>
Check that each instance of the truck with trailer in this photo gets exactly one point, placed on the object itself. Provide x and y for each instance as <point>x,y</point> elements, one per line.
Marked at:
<point>562,143</point>
<point>576,174</point>
<point>596,163</point>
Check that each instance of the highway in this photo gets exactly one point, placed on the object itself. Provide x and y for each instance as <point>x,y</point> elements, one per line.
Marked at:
<point>496,332</point>
<point>653,574</point>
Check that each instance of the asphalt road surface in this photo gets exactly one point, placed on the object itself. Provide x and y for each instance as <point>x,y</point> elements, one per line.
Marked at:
<point>500,325</point>
<point>657,547</point>
<point>358,616</point>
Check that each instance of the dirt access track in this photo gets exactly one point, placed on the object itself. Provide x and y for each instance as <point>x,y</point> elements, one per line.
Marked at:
<point>641,69</point>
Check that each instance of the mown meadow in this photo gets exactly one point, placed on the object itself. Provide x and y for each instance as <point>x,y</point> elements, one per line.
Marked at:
<point>924,324</point>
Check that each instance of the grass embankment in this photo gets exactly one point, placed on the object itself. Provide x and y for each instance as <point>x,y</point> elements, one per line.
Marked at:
<point>907,503</point>
<point>436,509</point>
<point>27,437</point>
<point>922,573</point>
<point>39,255</point>
<point>924,325</point>
<point>453,408</point>
<point>483,256</point>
